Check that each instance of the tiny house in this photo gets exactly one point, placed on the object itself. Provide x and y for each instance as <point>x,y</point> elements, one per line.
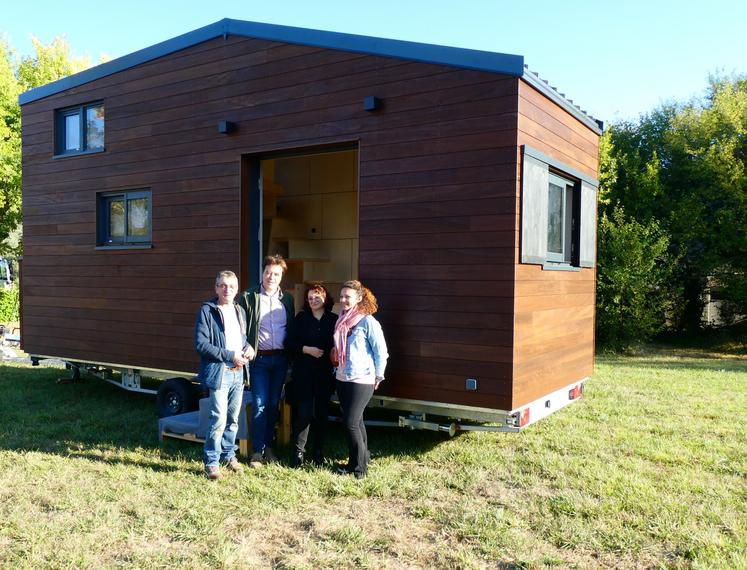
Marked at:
<point>456,184</point>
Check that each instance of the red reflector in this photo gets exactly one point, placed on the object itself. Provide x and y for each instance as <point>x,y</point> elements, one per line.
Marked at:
<point>524,418</point>
<point>575,392</point>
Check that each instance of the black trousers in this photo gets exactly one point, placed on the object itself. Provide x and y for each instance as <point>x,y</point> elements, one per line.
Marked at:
<point>310,415</point>
<point>353,400</point>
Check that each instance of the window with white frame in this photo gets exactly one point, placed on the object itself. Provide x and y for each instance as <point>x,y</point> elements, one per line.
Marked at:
<point>79,129</point>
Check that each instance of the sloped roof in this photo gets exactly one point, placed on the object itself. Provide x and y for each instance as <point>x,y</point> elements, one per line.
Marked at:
<point>505,64</point>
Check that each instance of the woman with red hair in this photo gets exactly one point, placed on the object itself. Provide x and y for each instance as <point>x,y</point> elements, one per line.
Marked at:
<point>310,344</point>
<point>361,354</point>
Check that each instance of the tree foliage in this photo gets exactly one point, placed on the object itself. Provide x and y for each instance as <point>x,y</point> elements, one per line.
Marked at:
<point>50,62</point>
<point>683,167</point>
<point>633,269</point>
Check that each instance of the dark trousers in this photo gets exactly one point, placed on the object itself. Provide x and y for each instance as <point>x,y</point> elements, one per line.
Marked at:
<point>353,400</point>
<point>310,415</point>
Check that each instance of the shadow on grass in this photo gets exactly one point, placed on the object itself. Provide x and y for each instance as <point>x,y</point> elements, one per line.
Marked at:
<point>94,420</point>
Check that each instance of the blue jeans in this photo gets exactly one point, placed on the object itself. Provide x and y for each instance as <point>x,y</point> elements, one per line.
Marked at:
<point>267,379</point>
<point>225,406</point>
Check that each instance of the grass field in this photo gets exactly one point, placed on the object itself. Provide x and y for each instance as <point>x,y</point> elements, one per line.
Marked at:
<point>649,470</point>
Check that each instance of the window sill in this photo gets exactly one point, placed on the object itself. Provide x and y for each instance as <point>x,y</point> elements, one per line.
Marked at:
<point>124,246</point>
<point>559,267</point>
<point>81,153</point>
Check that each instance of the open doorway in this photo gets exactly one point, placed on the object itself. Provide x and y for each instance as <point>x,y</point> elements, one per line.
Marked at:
<point>310,217</point>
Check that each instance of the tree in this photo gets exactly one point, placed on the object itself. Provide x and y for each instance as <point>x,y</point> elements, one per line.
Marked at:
<point>683,166</point>
<point>50,62</point>
<point>633,270</point>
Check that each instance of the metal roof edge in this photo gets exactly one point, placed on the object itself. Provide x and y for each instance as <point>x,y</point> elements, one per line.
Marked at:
<point>126,61</point>
<point>507,64</point>
<point>546,89</point>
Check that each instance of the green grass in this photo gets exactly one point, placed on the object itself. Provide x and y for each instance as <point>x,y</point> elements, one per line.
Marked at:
<point>649,470</point>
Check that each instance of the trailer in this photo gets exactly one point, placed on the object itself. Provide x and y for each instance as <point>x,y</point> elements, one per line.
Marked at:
<point>457,184</point>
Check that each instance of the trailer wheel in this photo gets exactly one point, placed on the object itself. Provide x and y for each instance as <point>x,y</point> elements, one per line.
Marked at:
<point>176,396</point>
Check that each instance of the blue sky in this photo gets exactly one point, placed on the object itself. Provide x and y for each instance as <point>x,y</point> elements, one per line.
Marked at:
<point>616,60</point>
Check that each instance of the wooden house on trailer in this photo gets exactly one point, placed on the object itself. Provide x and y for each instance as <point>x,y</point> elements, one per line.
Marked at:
<point>455,183</point>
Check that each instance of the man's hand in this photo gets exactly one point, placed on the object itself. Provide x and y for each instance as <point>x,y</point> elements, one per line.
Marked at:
<point>249,353</point>
<point>239,360</point>
<point>313,351</point>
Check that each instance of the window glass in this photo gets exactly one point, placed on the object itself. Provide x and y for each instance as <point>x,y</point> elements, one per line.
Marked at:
<point>116,219</point>
<point>72,132</point>
<point>95,127</point>
<point>555,219</point>
<point>137,211</point>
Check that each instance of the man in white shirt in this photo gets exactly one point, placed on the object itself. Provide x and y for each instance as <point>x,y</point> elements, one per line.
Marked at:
<point>220,340</point>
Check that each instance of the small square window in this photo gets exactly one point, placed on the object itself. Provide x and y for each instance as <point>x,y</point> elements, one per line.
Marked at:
<point>79,129</point>
<point>124,218</point>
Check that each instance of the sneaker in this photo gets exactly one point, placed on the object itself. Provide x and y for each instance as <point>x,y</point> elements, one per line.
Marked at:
<point>255,461</point>
<point>234,465</point>
<point>270,456</point>
<point>212,472</point>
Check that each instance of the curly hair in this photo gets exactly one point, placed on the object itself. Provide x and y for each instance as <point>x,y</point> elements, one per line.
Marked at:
<point>319,288</point>
<point>367,304</point>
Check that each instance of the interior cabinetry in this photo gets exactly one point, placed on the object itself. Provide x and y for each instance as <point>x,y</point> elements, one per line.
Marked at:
<point>310,217</point>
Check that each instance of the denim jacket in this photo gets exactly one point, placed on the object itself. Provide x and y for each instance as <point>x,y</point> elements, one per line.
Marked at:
<point>210,343</point>
<point>366,352</point>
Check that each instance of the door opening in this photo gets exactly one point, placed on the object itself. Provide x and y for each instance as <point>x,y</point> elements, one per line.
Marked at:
<point>309,207</point>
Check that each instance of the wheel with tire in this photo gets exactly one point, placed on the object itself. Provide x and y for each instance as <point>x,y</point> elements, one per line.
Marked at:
<point>176,396</point>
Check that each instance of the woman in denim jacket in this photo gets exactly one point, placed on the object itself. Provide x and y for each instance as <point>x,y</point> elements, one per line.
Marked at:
<point>360,354</point>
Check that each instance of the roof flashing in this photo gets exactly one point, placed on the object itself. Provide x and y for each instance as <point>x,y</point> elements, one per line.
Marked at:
<point>505,64</point>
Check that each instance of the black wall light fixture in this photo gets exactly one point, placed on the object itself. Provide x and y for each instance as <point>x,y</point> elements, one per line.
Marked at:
<point>226,127</point>
<point>372,103</point>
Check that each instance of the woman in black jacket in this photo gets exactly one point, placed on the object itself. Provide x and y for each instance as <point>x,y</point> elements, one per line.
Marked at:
<point>310,343</point>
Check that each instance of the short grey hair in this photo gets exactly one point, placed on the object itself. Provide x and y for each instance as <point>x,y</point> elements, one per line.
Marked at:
<point>225,274</point>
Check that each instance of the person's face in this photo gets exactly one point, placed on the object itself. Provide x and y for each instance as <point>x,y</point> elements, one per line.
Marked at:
<point>226,289</point>
<point>316,300</point>
<point>271,277</point>
<point>349,298</point>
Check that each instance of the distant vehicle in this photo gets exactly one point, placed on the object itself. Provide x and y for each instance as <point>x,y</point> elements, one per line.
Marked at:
<point>6,275</point>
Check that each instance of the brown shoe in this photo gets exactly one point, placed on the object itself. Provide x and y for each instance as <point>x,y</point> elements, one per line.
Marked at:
<point>212,472</point>
<point>255,462</point>
<point>234,465</point>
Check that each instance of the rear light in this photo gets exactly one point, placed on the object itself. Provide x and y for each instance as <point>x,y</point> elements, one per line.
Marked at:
<point>524,418</point>
<point>576,392</point>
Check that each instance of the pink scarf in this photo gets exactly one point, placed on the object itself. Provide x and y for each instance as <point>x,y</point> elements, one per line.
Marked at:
<point>345,322</point>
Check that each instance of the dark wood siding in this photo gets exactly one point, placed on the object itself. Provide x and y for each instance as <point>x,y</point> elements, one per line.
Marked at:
<point>554,310</point>
<point>437,205</point>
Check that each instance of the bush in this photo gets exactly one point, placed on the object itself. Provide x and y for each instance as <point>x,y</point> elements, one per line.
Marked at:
<point>633,268</point>
<point>9,305</point>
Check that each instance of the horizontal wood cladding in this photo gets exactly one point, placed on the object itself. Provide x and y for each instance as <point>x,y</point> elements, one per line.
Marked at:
<point>550,129</point>
<point>437,198</point>
<point>554,310</point>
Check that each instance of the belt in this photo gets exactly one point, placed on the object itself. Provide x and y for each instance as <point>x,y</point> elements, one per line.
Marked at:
<point>235,369</point>
<point>270,352</point>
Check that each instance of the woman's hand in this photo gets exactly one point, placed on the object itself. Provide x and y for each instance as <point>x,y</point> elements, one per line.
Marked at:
<point>313,351</point>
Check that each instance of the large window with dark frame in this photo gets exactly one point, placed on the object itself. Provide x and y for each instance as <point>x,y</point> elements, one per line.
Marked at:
<point>558,213</point>
<point>79,129</point>
<point>124,218</point>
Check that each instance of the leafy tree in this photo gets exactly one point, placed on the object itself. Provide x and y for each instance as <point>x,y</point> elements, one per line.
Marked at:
<point>683,166</point>
<point>50,62</point>
<point>633,269</point>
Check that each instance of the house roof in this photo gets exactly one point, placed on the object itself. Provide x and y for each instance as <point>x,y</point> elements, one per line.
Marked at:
<point>505,64</point>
